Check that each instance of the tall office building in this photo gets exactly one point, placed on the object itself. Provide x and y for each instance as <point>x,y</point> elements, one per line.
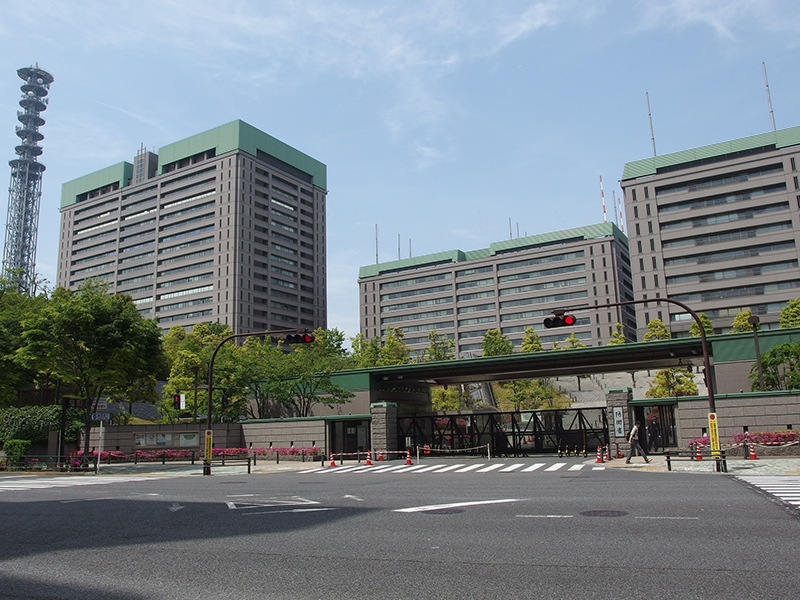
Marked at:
<point>227,226</point>
<point>717,228</point>
<point>510,286</point>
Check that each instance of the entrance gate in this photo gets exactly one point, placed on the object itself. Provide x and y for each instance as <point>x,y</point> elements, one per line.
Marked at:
<point>509,433</point>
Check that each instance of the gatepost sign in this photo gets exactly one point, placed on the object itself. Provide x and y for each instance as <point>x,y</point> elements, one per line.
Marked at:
<point>209,435</point>
<point>713,433</point>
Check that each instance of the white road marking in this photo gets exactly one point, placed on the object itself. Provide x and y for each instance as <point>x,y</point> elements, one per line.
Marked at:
<point>555,467</point>
<point>489,468</point>
<point>545,516</point>
<point>510,468</point>
<point>470,468</point>
<point>449,468</point>
<point>577,467</point>
<point>533,467</point>
<point>432,507</point>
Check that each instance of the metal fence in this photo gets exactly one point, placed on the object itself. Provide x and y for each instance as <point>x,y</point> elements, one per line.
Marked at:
<point>508,433</point>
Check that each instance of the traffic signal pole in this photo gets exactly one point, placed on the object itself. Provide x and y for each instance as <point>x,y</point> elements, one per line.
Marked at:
<point>703,341</point>
<point>290,335</point>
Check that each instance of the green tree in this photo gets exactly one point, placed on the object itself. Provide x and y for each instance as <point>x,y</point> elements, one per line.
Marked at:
<point>790,314</point>
<point>365,352</point>
<point>781,368</point>
<point>16,307</point>
<point>394,350</point>
<point>96,343</point>
<point>741,324</point>
<point>455,397</point>
<point>496,344</point>
<point>573,342</point>
<point>306,381</point>
<point>656,330</point>
<point>617,337</point>
<point>708,328</point>
<point>531,341</point>
<point>440,348</point>
<point>670,383</point>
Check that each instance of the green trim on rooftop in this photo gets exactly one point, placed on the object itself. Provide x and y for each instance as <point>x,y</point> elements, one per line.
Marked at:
<point>238,135</point>
<point>782,138</point>
<point>588,232</point>
<point>119,173</point>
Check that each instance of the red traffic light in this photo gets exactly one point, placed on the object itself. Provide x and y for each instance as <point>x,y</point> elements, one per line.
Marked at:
<point>299,338</point>
<point>560,321</point>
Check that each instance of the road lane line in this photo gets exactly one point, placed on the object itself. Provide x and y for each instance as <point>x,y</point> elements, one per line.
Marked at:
<point>533,467</point>
<point>469,468</point>
<point>432,507</point>
<point>490,468</point>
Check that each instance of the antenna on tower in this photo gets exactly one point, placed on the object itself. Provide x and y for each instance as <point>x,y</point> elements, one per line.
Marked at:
<point>650,117</point>
<point>603,198</point>
<point>769,100</point>
<point>613,204</point>
<point>621,218</point>
<point>25,190</point>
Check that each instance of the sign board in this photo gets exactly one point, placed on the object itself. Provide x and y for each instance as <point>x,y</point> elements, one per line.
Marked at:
<point>209,445</point>
<point>101,416</point>
<point>713,434</point>
<point>619,424</point>
<point>101,406</point>
<point>183,401</point>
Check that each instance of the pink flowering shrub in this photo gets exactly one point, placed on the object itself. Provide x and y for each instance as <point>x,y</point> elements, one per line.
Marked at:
<point>702,441</point>
<point>271,452</point>
<point>767,437</point>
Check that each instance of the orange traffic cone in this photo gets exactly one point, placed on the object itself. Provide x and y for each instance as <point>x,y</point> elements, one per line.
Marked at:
<point>753,452</point>
<point>698,456</point>
<point>599,455</point>
<point>619,452</point>
<point>369,462</point>
<point>380,455</point>
<point>607,457</point>
<point>408,457</point>
<point>333,460</point>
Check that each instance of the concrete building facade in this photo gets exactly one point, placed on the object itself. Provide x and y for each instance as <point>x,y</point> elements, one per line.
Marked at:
<point>511,286</point>
<point>717,228</point>
<point>226,226</point>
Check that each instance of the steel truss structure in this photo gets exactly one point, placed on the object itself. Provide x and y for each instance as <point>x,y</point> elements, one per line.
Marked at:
<point>25,189</point>
<point>516,433</point>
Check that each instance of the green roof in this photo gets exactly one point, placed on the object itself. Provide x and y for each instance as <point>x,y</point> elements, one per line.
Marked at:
<point>782,138</point>
<point>119,173</point>
<point>588,232</point>
<point>236,135</point>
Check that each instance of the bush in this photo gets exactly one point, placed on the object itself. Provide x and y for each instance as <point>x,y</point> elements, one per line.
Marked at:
<point>767,438</point>
<point>16,450</point>
<point>271,452</point>
<point>35,422</point>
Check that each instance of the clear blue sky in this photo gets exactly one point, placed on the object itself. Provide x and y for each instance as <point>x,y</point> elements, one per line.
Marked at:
<point>438,120</point>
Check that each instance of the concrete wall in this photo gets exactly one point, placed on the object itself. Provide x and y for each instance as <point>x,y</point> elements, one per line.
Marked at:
<point>287,434</point>
<point>122,437</point>
<point>756,411</point>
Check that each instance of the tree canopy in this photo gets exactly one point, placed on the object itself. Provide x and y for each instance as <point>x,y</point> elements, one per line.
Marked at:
<point>656,330</point>
<point>496,344</point>
<point>96,343</point>
<point>790,314</point>
<point>708,328</point>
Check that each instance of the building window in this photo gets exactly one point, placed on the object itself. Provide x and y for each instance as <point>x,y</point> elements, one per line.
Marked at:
<point>633,194</point>
<point>635,212</point>
<point>638,230</point>
<point>644,283</point>
<point>647,208</point>
<point>655,264</point>
<point>649,227</point>
<point>639,246</point>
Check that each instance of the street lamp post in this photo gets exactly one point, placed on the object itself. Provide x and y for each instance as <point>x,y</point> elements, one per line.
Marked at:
<point>195,369</point>
<point>210,387</point>
<point>703,341</point>
<point>754,320</point>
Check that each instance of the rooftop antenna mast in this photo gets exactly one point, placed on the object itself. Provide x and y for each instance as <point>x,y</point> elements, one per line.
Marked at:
<point>769,100</point>
<point>25,190</point>
<point>650,117</point>
<point>603,198</point>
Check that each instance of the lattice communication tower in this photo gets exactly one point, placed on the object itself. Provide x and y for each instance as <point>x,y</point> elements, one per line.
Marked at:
<point>25,190</point>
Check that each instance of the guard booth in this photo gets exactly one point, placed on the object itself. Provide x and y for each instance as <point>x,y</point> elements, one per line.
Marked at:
<point>516,433</point>
<point>348,436</point>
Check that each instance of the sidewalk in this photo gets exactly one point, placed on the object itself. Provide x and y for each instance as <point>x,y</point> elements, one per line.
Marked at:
<point>773,465</point>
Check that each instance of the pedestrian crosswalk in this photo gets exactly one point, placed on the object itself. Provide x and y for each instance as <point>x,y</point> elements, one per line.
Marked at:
<point>439,468</point>
<point>784,487</point>
<point>35,482</point>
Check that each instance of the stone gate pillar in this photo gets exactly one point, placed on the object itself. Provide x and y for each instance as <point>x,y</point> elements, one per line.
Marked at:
<point>384,426</point>
<point>619,418</point>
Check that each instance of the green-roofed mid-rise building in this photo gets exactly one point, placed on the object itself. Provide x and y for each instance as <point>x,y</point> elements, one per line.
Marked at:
<point>717,228</point>
<point>225,226</point>
<point>510,286</point>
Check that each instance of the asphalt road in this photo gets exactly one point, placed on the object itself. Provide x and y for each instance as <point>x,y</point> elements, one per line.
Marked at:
<point>610,533</point>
